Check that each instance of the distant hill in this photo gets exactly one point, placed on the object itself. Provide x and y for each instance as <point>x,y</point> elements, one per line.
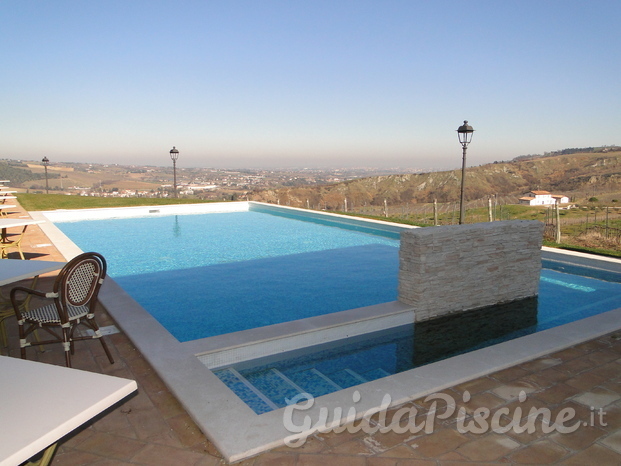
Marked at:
<point>563,174</point>
<point>582,150</point>
<point>18,172</point>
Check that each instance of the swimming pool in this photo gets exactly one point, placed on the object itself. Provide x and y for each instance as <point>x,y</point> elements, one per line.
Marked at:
<point>233,427</point>
<point>218,273</point>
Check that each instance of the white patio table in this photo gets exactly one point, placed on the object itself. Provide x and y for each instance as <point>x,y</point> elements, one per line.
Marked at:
<point>14,270</point>
<point>17,222</point>
<point>5,207</point>
<point>41,403</point>
<point>10,223</point>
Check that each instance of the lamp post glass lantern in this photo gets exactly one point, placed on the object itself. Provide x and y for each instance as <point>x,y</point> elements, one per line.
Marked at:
<point>46,161</point>
<point>174,154</point>
<point>464,133</point>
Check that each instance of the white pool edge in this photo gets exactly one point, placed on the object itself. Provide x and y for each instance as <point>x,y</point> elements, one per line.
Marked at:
<point>239,433</point>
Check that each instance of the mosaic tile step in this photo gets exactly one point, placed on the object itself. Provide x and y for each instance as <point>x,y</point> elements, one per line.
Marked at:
<point>274,385</point>
<point>314,382</point>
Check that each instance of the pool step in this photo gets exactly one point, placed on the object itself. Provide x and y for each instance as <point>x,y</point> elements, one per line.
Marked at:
<point>270,388</point>
<point>346,378</point>
<point>246,391</point>
<point>263,391</point>
<point>375,374</point>
<point>315,382</point>
<point>275,385</point>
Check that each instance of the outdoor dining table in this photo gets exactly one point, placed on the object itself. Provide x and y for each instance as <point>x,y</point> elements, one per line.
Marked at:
<point>14,270</point>
<point>11,223</point>
<point>5,207</point>
<point>41,403</point>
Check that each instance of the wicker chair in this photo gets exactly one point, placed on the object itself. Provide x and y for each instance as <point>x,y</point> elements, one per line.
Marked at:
<point>4,314</point>
<point>6,311</point>
<point>73,301</point>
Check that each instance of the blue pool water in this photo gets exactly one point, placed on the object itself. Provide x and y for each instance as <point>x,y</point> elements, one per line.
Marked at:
<point>211,274</point>
<point>266,384</point>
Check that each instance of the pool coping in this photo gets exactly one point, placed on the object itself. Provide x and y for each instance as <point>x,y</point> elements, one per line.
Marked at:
<point>240,433</point>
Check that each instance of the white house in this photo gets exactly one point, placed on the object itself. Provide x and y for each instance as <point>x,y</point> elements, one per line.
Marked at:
<point>560,198</point>
<point>543,198</point>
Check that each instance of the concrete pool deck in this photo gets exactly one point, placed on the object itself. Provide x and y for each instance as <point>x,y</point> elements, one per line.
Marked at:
<point>154,429</point>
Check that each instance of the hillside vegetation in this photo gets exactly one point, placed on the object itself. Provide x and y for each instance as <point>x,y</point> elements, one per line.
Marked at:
<point>580,175</point>
<point>69,177</point>
<point>19,173</point>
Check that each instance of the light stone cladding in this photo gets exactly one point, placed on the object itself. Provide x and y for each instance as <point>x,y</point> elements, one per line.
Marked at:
<point>455,268</point>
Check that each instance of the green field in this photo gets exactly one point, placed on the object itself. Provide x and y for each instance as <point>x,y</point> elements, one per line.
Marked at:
<point>37,202</point>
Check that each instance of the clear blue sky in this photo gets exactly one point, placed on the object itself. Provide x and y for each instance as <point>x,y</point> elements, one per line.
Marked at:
<point>266,83</point>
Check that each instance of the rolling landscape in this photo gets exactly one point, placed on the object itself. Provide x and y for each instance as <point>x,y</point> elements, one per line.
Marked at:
<point>579,175</point>
<point>589,177</point>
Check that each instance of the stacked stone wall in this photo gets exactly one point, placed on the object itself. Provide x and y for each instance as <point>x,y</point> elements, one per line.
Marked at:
<point>454,268</point>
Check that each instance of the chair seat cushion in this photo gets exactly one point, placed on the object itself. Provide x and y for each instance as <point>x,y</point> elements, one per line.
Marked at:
<point>49,315</point>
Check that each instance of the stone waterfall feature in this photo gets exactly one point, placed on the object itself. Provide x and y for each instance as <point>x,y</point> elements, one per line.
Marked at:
<point>450,269</point>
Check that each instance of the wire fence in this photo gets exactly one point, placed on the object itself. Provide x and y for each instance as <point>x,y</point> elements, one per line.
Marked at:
<point>593,225</point>
<point>611,234</point>
<point>440,213</point>
<point>597,221</point>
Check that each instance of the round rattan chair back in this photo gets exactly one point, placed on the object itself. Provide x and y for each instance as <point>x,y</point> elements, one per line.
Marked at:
<point>79,281</point>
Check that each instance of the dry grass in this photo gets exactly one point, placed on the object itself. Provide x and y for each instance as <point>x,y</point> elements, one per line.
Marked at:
<point>595,239</point>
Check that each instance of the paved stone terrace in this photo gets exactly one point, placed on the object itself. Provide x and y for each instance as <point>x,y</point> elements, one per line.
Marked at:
<point>151,428</point>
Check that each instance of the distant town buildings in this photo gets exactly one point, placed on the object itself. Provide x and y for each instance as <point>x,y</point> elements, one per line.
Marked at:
<point>543,198</point>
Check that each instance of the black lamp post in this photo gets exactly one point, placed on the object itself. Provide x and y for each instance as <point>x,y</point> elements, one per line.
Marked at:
<point>174,155</point>
<point>46,162</point>
<point>464,133</point>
